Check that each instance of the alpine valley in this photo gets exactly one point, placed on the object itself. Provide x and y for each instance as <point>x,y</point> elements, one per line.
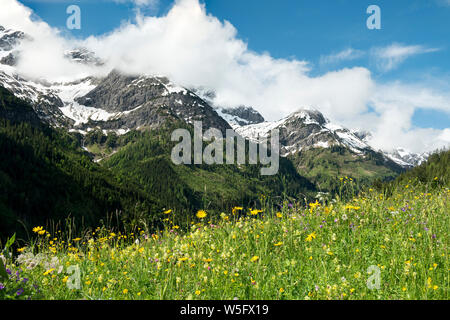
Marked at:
<point>98,148</point>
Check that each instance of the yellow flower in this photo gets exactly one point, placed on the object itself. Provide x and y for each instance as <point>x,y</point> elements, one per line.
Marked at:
<point>236,209</point>
<point>76,239</point>
<point>310,237</point>
<point>281,290</point>
<point>279,215</point>
<point>37,229</point>
<point>254,259</point>
<point>278,244</point>
<point>125,291</point>
<point>201,214</point>
<point>313,206</point>
<point>168,211</point>
<point>255,212</point>
<point>48,271</point>
<point>197,292</point>
<point>64,280</point>
<point>21,249</point>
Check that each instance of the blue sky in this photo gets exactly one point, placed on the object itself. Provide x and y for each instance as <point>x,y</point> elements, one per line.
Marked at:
<point>315,31</point>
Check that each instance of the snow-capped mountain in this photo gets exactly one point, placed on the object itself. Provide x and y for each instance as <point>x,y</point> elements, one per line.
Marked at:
<point>406,158</point>
<point>9,40</point>
<point>235,116</point>
<point>305,129</point>
<point>116,102</point>
<point>309,128</point>
<point>120,103</point>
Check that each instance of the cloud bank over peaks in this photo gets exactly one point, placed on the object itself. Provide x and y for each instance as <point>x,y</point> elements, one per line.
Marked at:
<point>194,48</point>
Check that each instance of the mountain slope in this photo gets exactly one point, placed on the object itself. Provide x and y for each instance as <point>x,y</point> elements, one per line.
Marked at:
<point>45,175</point>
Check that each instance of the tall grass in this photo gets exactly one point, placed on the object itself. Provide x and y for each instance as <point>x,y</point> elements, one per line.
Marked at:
<point>332,249</point>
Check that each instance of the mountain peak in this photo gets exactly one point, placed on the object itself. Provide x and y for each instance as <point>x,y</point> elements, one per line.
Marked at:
<point>83,56</point>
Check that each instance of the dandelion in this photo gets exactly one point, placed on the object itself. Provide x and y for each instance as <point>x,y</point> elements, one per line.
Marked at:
<point>278,244</point>
<point>168,211</point>
<point>197,292</point>
<point>201,214</point>
<point>281,290</point>
<point>125,291</point>
<point>254,259</point>
<point>279,215</point>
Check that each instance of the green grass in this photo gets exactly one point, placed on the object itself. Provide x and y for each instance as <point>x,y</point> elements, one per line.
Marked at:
<point>323,165</point>
<point>267,255</point>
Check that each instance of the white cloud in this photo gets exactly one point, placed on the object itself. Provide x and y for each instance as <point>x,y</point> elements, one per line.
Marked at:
<point>394,105</point>
<point>344,55</point>
<point>194,48</point>
<point>388,58</point>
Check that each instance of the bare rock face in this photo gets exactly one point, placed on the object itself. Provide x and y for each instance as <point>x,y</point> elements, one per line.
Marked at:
<point>244,115</point>
<point>142,101</point>
<point>10,59</point>
<point>10,39</point>
<point>83,56</point>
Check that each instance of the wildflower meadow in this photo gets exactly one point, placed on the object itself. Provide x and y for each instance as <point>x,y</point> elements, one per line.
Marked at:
<point>371,246</point>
